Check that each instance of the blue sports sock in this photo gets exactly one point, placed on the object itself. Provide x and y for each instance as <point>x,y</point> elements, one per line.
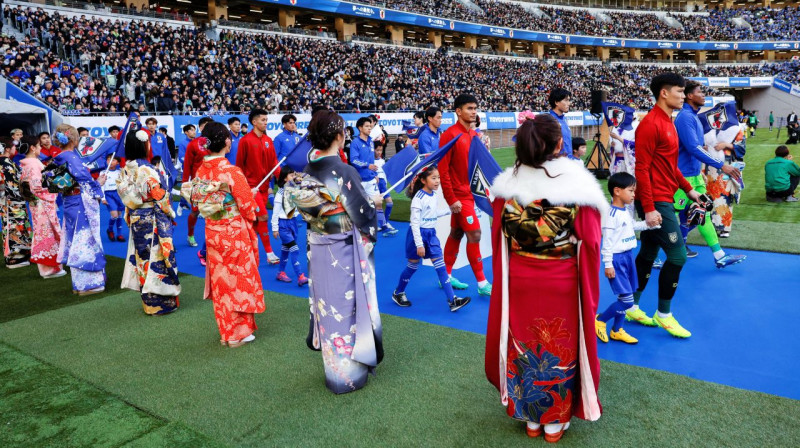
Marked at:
<point>624,302</point>
<point>284,258</point>
<point>293,259</point>
<point>405,276</point>
<point>388,210</point>
<point>203,250</point>
<point>616,308</point>
<point>110,224</point>
<point>381,219</point>
<point>444,279</point>
<point>119,224</point>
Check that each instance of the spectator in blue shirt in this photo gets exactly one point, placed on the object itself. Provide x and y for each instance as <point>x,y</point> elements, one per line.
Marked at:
<point>235,128</point>
<point>560,101</point>
<point>288,139</point>
<point>428,140</point>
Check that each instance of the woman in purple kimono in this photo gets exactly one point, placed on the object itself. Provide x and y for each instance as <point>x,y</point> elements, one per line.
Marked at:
<point>81,248</point>
<point>345,322</point>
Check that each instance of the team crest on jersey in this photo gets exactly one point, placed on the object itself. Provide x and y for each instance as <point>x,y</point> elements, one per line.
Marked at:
<point>266,145</point>
<point>470,220</point>
<point>673,237</point>
<point>296,140</point>
<point>681,202</point>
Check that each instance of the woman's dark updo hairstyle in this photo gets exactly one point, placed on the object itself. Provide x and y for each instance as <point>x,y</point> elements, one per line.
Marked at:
<point>216,133</point>
<point>134,148</point>
<point>536,141</point>
<point>324,127</point>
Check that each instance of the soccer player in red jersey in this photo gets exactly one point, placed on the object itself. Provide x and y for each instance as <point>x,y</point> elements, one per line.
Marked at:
<point>256,157</point>
<point>454,174</point>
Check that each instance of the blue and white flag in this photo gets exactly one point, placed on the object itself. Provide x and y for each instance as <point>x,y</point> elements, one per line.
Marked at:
<point>483,168</point>
<point>618,115</point>
<point>300,156</point>
<point>400,164</point>
<point>410,171</point>
<point>720,123</point>
<point>94,152</point>
<point>411,130</point>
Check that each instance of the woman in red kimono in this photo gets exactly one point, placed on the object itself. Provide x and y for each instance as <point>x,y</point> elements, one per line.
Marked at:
<point>221,193</point>
<point>541,350</point>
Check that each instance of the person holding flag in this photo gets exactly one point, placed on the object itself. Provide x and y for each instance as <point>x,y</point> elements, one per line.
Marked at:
<point>429,133</point>
<point>160,148</point>
<point>288,138</point>
<point>362,157</point>
<point>692,155</point>
<point>256,158</point>
<point>454,172</point>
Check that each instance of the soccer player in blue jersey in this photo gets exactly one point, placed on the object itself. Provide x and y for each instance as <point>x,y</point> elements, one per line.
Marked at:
<point>362,157</point>
<point>428,140</point>
<point>235,128</point>
<point>288,139</point>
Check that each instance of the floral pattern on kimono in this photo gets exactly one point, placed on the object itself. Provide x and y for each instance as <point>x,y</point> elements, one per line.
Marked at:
<point>81,248</point>
<point>232,278</point>
<point>150,264</point>
<point>16,225</point>
<point>44,214</point>
<point>724,193</point>
<point>345,321</point>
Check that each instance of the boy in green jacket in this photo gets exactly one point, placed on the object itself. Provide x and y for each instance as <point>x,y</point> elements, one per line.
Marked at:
<point>781,176</point>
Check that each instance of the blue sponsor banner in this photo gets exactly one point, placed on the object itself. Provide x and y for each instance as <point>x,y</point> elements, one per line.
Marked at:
<point>501,120</point>
<point>407,18</point>
<point>739,82</point>
<point>782,85</point>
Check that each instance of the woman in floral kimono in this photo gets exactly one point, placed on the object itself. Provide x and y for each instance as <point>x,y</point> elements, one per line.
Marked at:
<point>541,351</point>
<point>42,203</point>
<point>81,248</point>
<point>223,197</point>
<point>150,265</point>
<point>342,221</point>
<point>16,226</point>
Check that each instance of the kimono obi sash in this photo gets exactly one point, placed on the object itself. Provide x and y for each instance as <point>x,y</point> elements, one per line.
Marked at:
<point>213,199</point>
<point>540,229</point>
<point>321,207</point>
<point>228,210</point>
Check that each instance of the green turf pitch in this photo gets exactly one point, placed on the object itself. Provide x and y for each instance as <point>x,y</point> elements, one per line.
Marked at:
<point>430,390</point>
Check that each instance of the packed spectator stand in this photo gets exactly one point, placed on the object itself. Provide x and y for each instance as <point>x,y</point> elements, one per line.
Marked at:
<point>87,64</point>
<point>767,23</point>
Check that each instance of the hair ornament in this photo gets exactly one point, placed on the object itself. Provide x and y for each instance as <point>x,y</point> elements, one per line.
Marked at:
<point>141,135</point>
<point>525,115</point>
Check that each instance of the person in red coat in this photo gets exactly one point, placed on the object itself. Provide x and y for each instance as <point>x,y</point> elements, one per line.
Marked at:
<point>256,158</point>
<point>191,162</point>
<point>454,174</point>
<point>541,349</point>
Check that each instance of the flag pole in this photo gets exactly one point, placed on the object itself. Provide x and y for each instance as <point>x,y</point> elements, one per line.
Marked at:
<point>270,173</point>
<point>389,191</point>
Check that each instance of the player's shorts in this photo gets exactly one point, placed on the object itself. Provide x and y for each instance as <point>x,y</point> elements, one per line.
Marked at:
<point>114,202</point>
<point>465,220</point>
<point>261,202</point>
<point>371,187</point>
<point>681,200</point>
<point>625,281</point>
<point>433,249</point>
<point>287,230</point>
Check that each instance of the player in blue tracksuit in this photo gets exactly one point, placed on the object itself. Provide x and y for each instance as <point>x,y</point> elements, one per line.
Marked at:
<point>284,227</point>
<point>428,140</point>
<point>159,148</point>
<point>421,240</point>
<point>235,128</point>
<point>288,138</point>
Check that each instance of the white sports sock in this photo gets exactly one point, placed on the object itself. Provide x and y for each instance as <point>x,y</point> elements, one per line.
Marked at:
<point>634,307</point>
<point>719,254</point>
<point>664,315</point>
<point>483,283</point>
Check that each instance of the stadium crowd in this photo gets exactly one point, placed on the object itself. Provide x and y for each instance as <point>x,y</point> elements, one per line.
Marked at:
<point>93,65</point>
<point>767,23</point>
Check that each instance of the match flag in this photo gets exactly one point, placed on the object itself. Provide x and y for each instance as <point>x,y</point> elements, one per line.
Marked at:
<point>94,152</point>
<point>720,123</point>
<point>400,164</point>
<point>618,115</point>
<point>408,173</point>
<point>300,155</point>
<point>483,168</point>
